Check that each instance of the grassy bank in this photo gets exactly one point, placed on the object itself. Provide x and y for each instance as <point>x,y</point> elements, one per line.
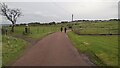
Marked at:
<point>0,50</point>
<point>11,48</point>
<point>102,50</point>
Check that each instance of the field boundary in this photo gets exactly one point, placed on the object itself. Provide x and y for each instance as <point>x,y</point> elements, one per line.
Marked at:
<point>98,34</point>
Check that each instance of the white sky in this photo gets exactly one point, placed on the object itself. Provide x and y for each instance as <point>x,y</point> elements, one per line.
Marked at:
<point>61,10</point>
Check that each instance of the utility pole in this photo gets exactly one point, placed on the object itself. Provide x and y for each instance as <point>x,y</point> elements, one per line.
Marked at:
<point>72,17</point>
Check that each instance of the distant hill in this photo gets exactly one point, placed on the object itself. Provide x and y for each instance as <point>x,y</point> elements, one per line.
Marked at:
<point>5,24</point>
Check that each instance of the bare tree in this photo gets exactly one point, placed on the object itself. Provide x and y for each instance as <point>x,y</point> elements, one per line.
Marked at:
<point>10,14</point>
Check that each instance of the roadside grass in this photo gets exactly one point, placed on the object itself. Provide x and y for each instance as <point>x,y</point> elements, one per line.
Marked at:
<point>102,50</point>
<point>11,48</point>
<point>0,55</point>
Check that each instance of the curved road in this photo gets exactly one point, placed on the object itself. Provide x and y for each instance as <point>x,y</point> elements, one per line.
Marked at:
<point>53,50</point>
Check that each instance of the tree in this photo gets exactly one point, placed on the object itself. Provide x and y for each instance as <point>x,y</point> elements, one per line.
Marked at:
<point>51,23</point>
<point>10,14</point>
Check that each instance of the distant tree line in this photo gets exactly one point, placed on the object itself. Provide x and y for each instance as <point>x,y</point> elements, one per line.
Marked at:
<point>62,22</point>
<point>96,20</point>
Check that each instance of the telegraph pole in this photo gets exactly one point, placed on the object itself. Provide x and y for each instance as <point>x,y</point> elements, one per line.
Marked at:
<point>72,17</point>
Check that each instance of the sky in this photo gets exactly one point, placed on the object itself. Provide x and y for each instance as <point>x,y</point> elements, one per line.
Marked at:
<point>45,11</point>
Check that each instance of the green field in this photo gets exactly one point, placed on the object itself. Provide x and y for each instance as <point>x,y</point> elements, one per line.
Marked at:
<point>96,28</point>
<point>100,49</point>
<point>36,32</point>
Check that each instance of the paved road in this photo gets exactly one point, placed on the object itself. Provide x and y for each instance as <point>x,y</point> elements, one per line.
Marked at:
<point>53,50</point>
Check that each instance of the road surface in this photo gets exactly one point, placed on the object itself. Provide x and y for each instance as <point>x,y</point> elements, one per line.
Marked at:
<point>53,50</point>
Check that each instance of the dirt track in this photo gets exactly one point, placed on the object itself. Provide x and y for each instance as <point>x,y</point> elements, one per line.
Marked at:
<point>53,50</point>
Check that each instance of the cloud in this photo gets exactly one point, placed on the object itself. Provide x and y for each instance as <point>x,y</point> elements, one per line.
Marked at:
<point>58,11</point>
<point>59,0</point>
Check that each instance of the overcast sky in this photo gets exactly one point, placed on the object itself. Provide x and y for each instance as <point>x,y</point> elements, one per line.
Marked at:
<point>48,11</point>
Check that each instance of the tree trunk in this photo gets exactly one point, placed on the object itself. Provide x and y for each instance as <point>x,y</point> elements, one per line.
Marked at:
<point>12,28</point>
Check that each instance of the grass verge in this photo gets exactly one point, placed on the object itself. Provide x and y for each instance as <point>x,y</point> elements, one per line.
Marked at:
<point>100,49</point>
<point>11,48</point>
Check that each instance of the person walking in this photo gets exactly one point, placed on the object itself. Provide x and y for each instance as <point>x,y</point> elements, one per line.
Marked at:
<point>61,29</point>
<point>65,29</point>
